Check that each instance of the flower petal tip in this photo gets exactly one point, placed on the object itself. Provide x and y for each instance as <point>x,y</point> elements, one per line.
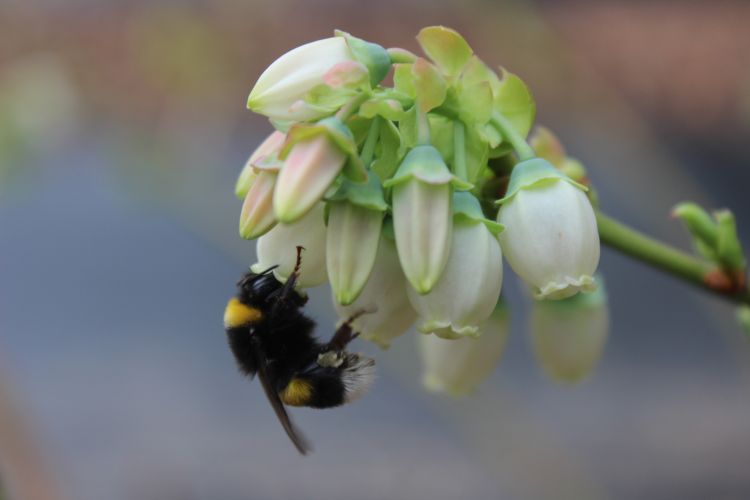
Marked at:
<point>568,287</point>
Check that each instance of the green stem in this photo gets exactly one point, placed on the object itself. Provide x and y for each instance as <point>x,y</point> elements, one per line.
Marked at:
<point>352,106</point>
<point>522,148</point>
<point>423,128</point>
<point>662,256</point>
<point>368,150</point>
<point>459,151</point>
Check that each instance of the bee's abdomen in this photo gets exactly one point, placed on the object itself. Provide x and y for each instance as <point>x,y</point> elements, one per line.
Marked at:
<point>333,379</point>
<point>315,392</point>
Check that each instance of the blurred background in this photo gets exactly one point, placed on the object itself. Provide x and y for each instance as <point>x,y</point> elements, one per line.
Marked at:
<point>122,129</point>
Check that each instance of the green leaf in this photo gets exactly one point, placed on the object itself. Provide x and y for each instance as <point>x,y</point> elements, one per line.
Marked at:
<point>515,102</point>
<point>446,48</point>
<point>390,151</point>
<point>429,84</point>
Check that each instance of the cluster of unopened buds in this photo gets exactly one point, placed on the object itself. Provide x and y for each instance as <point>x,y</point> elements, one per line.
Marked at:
<point>407,197</point>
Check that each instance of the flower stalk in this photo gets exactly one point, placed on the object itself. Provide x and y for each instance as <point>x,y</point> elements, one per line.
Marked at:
<point>682,265</point>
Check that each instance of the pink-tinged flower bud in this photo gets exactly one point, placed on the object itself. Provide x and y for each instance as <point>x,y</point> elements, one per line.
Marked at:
<point>355,218</point>
<point>270,146</point>
<point>278,247</point>
<point>309,170</point>
<point>458,367</point>
<point>313,156</point>
<point>422,215</point>
<point>280,91</point>
<point>550,239</point>
<point>384,295</point>
<point>568,335</point>
<point>466,293</point>
<point>257,216</point>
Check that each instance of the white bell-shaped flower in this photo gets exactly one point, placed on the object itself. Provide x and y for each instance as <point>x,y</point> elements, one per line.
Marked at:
<point>384,296</point>
<point>458,367</point>
<point>550,239</point>
<point>278,247</point>
<point>568,335</point>
<point>355,219</point>
<point>466,293</point>
<point>280,91</point>
<point>422,215</point>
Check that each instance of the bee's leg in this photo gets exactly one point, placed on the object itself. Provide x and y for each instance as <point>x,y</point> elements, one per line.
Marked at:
<point>344,334</point>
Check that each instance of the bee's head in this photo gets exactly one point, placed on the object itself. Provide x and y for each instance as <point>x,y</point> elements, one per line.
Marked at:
<point>261,288</point>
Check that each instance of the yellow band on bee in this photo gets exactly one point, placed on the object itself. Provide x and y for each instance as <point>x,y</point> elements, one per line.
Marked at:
<point>297,393</point>
<point>239,314</point>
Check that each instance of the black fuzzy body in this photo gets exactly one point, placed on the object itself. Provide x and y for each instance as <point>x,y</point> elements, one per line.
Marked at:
<point>282,339</point>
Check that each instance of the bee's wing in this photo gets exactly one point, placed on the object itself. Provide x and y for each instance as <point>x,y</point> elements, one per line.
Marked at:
<point>298,439</point>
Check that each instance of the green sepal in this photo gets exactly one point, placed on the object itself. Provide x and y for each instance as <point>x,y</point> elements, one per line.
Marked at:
<point>338,133</point>
<point>390,109</point>
<point>269,162</point>
<point>425,164</point>
<point>728,246</point>
<point>282,125</point>
<point>391,151</point>
<point>367,194</point>
<point>327,99</point>
<point>373,56</point>
<point>468,210</point>
<point>446,48</point>
<point>533,173</point>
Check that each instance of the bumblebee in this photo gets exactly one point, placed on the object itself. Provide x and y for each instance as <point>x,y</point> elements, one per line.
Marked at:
<point>272,338</point>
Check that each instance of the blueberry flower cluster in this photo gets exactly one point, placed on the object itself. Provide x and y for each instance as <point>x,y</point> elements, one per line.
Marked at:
<point>406,197</point>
